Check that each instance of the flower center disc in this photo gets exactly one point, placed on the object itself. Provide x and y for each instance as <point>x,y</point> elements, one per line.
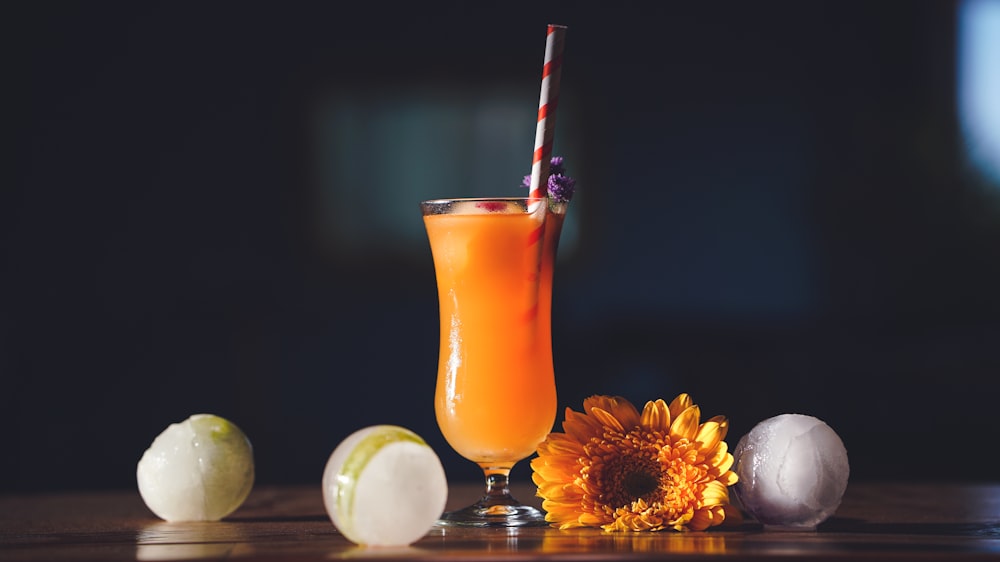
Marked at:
<point>639,484</point>
<point>630,478</point>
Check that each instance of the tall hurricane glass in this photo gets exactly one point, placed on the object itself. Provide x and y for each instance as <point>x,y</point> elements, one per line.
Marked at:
<point>495,399</point>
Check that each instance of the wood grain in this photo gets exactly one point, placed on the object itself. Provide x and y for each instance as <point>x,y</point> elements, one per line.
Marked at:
<point>875,522</point>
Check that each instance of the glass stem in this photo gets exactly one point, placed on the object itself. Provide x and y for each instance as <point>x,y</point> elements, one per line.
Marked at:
<point>497,508</point>
<point>497,487</point>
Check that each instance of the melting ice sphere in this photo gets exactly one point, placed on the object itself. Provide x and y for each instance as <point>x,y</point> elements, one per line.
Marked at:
<point>793,471</point>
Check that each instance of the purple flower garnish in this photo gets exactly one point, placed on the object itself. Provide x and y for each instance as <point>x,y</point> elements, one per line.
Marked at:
<point>560,186</point>
<point>556,165</point>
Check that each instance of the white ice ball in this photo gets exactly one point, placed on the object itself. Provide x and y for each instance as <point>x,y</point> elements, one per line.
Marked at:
<point>200,469</point>
<point>792,471</point>
<point>384,486</point>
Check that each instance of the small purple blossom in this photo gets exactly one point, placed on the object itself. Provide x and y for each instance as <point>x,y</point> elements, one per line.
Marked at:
<point>556,165</point>
<point>560,186</point>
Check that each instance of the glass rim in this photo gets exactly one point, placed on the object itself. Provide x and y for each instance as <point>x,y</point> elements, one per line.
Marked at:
<point>442,200</point>
<point>491,205</point>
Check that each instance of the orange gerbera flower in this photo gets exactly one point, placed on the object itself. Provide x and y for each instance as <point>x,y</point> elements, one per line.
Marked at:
<point>623,470</point>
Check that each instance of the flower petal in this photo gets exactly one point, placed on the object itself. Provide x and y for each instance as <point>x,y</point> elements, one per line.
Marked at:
<point>560,493</point>
<point>581,427</point>
<point>718,456</point>
<point>708,435</point>
<point>685,425</point>
<point>656,416</point>
<point>548,470</point>
<point>679,404</point>
<point>591,520</point>
<point>561,444</point>
<point>702,520</point>
<point>729,478</point>
<point>620,408</point>
<point>723,425</point>
<point>607,419</point>
<point>726,463</point>
<point>714,493</point>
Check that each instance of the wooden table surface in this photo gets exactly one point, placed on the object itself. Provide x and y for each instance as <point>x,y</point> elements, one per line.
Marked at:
<point>875,522</point>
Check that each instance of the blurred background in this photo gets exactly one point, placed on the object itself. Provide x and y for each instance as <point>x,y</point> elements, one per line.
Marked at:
<point>782,207</point>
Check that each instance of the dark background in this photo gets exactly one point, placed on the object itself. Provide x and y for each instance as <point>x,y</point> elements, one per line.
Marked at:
<point>775,215</point>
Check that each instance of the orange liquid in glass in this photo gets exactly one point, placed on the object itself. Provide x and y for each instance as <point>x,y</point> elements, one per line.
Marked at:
<point>495,398</point>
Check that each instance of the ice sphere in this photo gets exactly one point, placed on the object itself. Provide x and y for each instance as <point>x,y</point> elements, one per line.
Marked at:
<point>199,469</point>
<point>384,486</point>
<point>792,471</point>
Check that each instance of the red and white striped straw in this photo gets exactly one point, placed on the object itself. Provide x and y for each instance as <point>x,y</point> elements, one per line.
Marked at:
<point>555,39</point>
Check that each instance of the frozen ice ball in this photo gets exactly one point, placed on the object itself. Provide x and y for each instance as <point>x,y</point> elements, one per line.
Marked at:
<point>792,471</point>
<point>384,486</point>
<point>200,469</point>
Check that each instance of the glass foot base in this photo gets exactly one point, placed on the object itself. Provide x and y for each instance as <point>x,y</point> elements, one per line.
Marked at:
<point>482,515</point>
<point>496,509</point>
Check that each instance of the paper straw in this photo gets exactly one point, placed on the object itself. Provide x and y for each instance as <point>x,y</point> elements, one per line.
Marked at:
<point>555,39</point>
<point>541,159</point>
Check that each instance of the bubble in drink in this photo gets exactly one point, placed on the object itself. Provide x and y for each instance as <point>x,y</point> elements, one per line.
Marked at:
<point>792,470</point>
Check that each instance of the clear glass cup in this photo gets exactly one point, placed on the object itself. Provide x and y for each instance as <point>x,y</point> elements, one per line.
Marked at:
<point>495,399</point>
